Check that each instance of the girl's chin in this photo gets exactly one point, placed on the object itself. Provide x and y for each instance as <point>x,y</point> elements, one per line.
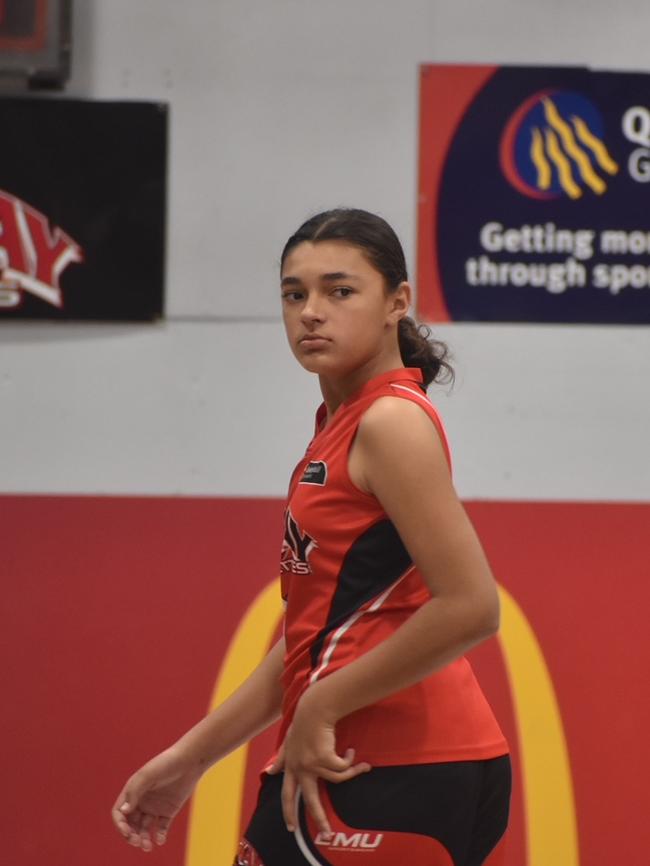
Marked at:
<point>315,363</point>
<point>329,371</point>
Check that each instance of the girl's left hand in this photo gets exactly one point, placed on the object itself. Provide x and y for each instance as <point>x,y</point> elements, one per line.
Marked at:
<point>309,752</point>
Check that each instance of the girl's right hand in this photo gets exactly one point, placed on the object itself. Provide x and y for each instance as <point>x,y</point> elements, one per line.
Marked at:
<point>151,798</point>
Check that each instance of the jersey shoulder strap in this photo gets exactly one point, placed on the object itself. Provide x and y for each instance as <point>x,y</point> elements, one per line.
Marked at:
<point>411,391</point>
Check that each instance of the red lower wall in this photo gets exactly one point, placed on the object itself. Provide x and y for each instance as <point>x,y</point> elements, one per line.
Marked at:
<point>116,613</point>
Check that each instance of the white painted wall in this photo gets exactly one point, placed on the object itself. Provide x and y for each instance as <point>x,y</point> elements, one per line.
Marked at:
<point>280,109</point>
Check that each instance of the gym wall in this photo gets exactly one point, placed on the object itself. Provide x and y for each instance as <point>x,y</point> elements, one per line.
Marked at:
<point>143,467</point>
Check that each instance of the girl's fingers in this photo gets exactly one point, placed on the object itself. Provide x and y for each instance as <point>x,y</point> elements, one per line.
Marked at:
<point>135,820</point>
<point>289,800</point>
<point>334,769</point>
<point>161,832</point>
<point>309,786</point>
<point>137,837</point>
<point>121,823</point>
<point>278,764</point>
<point>344,775</point>
<point>145,836</point>
<point>337,763</point>
<point>138,827</point>
<point>341,766</point>
<point>121,813</point>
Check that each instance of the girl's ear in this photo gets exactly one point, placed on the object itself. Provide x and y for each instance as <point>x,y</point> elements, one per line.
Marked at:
<point>400,302</point>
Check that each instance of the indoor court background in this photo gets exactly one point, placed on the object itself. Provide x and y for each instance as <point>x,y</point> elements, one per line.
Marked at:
<point>143,467</point>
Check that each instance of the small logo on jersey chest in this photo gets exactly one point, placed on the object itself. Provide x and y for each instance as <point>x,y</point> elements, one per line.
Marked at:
<point>315,473</point>
<point>296,547</point>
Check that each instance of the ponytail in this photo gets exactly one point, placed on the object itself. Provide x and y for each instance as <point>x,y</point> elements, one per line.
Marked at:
<point>419,350</point>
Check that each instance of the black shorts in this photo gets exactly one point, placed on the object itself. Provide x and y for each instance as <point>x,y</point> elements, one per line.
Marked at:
<point>443,814</point>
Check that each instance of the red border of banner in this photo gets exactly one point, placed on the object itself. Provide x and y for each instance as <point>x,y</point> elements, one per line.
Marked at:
<point>446,91</point>
<point>31,43</point>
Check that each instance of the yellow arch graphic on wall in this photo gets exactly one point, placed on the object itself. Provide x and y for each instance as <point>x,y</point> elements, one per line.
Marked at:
<point>551,828</point>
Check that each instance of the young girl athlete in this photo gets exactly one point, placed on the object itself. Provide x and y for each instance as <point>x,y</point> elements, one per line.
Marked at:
<point>387,750</point>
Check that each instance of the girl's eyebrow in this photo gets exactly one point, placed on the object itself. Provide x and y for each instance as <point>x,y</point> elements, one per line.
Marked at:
<point>325,278</point>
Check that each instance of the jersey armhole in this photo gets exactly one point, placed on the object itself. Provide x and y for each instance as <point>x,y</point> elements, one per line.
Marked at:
<point>427,407</point>
<point>430,410</point>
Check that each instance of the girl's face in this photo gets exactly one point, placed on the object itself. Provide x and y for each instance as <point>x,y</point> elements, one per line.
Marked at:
<point>331,292</point>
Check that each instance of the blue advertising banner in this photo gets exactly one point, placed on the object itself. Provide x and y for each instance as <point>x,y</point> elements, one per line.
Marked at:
<point>534,186</point>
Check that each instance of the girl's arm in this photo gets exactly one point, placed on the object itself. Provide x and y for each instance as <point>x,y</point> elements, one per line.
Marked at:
<point>151,798</point>
<point>249,710</point>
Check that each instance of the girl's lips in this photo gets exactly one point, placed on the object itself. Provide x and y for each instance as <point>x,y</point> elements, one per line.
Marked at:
<point>318,343</point>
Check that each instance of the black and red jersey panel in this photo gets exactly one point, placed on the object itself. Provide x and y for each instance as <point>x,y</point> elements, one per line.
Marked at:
<point>349,583</point>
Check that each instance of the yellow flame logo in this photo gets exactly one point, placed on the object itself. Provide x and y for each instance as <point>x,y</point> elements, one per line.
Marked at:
<point>573,150</point>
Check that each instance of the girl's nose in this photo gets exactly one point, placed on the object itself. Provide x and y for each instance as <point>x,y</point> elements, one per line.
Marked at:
<point>312,311</point>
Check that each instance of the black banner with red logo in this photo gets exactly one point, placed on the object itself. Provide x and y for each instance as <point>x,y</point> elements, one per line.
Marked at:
<point>82,209</point>
<point>534,195</point>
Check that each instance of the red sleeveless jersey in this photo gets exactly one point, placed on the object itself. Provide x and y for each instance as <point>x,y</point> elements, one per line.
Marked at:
<point>349,583</point>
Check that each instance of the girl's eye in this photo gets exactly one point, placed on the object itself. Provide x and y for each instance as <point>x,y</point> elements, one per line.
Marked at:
<point>289,296</point>
<point>344,289</point>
